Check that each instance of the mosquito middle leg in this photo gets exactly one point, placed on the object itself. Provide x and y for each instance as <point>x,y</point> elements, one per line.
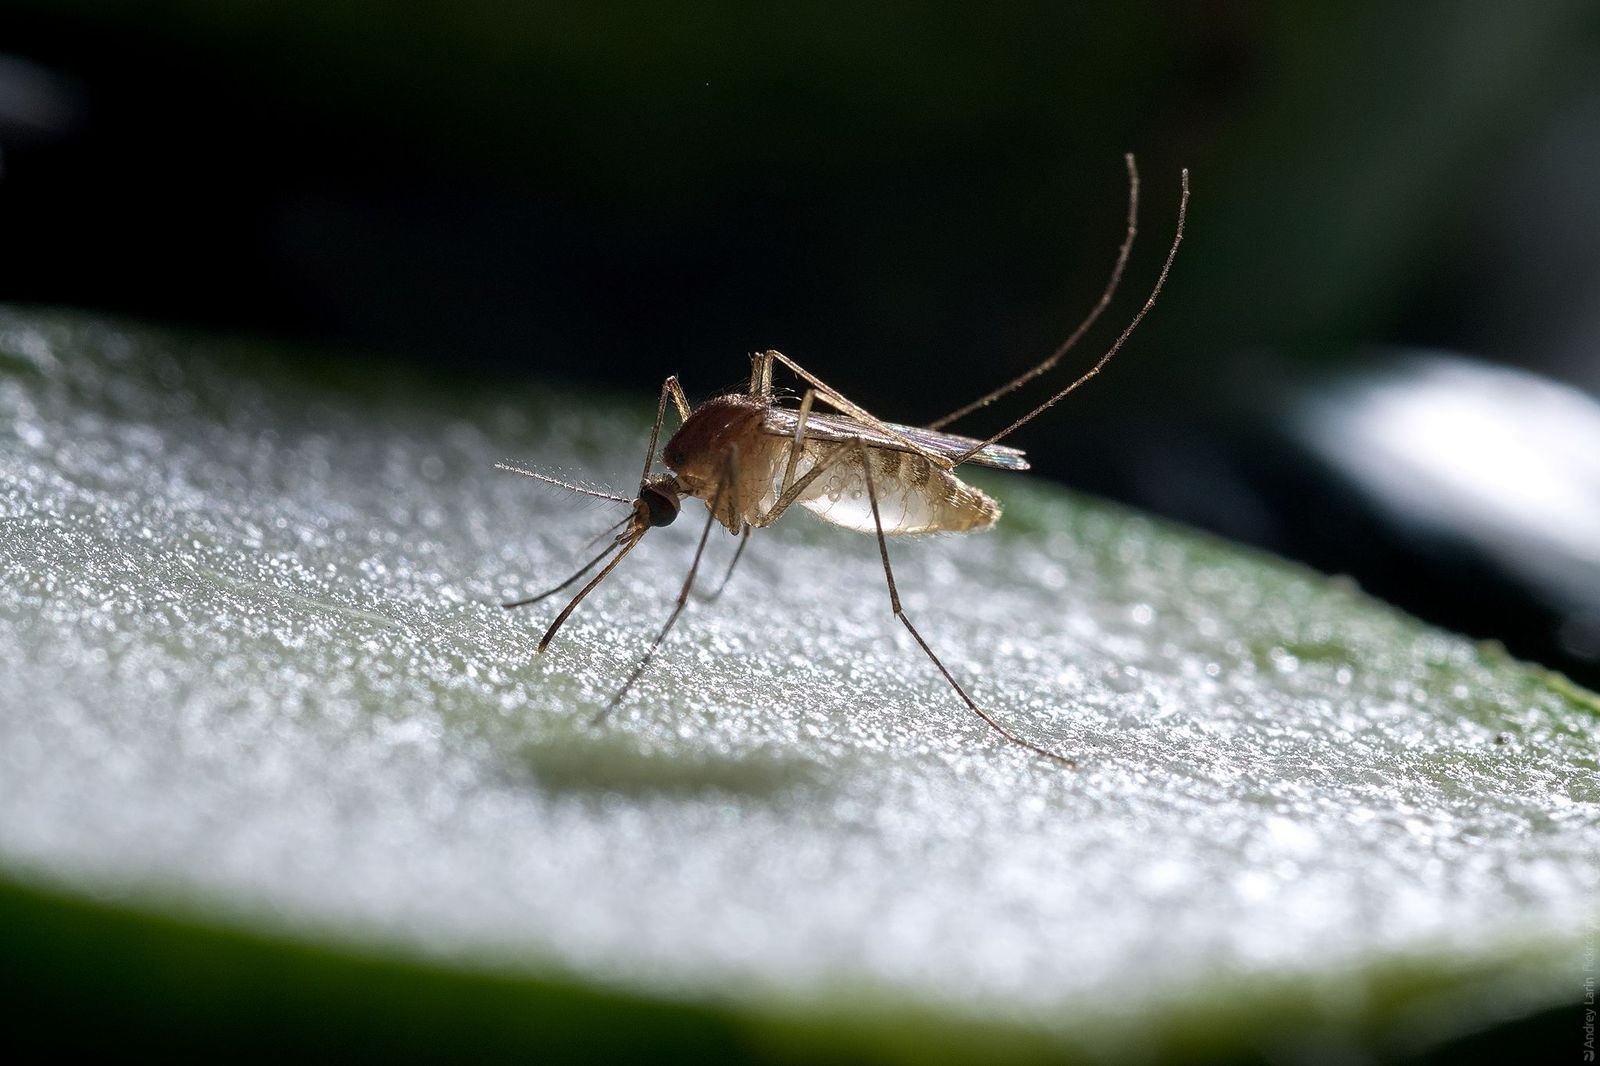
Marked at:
<point>744,531</point>
<point>727,575</point>
<point>760,375</point>
<point>792,493</point>
<point>790,488</point>
<point>797,445</point>
<point>899,612</point>
<point>785,495</point>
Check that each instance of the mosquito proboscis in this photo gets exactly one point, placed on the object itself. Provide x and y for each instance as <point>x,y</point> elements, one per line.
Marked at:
<point>749,457</point>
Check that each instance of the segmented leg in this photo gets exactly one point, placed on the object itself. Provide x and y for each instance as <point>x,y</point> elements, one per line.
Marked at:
<point>669,388</point>
<point>785,497</point>
<point>727,575</point>
<point>837,401</point>
<point>790,489</point>
<point>744,537</point>
<point>899,612</point>
<point>628,542</point>
<point>729,478</point>
<point>760,375</point>
<point>1122,338</point>
<point>797,445</point>
<point>1083,327</point>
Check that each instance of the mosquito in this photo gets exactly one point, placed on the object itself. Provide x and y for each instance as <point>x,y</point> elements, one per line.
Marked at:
<point>749,457</point>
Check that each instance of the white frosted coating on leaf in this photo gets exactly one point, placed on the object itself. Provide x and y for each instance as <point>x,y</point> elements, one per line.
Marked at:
<point>254,662</point>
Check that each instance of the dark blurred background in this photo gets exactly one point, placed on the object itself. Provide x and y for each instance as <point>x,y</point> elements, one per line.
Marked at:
<point>1376,353</point>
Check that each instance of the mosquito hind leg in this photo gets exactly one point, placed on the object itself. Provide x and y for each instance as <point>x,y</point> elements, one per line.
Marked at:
<point>899,612</point>
<point>1083,327</point>
<point>1122,338</point>
<point>833,398</point>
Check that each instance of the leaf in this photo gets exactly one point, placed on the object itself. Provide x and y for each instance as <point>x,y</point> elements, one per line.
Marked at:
<point>269,743</point>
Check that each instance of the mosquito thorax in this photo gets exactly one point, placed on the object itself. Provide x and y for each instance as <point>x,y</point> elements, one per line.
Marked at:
<point>701,444</point>
<point>659,499</point>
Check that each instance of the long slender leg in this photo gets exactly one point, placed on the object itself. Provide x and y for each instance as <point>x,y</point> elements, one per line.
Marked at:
<point>760,374</point>
<point>628,544</point>
<point>899,612</point>
<point>669,388</point>
<point>798,444</point>
<point>1083,327</point>
<point>729,477</point>
<point>789,489</point>
<point>744,538</point>
<point>727,575</point>
<point>793,492</point>
<point>835,400</point>
<point>1166,267</point>
<point>590,565</point>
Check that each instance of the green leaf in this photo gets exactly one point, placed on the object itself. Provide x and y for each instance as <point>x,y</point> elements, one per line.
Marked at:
<point>274,766</point>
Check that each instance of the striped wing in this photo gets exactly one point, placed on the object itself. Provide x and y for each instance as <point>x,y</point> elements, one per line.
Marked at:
<point>781,422</point>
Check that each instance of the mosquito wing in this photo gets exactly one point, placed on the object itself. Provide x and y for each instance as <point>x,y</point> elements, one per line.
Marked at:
<point>781,422</point>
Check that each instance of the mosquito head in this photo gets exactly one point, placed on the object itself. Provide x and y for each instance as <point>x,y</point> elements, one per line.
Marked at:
<point>658,501</point>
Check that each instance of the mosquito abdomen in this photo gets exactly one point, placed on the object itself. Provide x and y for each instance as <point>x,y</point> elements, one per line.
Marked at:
<point>914,495</point>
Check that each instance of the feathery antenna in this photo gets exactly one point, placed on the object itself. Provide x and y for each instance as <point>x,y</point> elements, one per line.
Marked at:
<point>547,479</point>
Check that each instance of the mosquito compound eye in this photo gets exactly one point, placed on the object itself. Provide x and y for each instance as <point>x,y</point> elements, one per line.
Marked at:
<point>662,506</point>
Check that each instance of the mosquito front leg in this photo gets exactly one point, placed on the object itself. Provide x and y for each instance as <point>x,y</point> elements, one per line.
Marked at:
<point>627,543</point>
<point>669,388</point>
<point>729,479</point>
<point>899,612</point>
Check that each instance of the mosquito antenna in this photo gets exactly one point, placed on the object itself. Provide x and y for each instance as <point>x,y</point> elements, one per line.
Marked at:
<point>563,484</point>
<point>588,566</point>
<point>1166,267</point>
<point>627,546</point>
<point>1083,327</point>
<point>683,596</point>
